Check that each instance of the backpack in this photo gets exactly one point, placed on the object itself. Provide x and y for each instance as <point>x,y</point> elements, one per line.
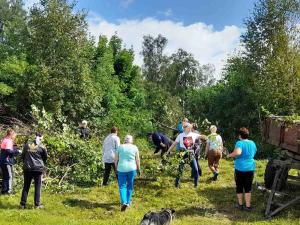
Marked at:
<point>213,142</point>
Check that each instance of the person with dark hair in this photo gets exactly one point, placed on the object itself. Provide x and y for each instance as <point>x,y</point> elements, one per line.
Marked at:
<point>8,151</point>
<point>34,157</point>
<point>110,146</point>
<point>245,166</point>
<point>161,142</point>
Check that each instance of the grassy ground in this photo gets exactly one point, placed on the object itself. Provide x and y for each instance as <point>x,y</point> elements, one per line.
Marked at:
<point>210,203</point>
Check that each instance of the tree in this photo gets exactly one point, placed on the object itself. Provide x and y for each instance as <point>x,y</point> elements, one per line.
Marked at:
<point>13,36</point>
<point>59,78</point>
<point>13,28</point>
<point>185,72</point>
<point>154,60</point>
<point>272,45</point>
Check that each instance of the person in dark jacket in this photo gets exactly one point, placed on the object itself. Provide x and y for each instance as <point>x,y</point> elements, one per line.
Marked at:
<point>84,131</point>
<point>34,157</point>
<point>8,151</point>
<point>161,142</point>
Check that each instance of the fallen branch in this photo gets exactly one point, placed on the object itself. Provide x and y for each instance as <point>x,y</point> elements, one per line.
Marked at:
<point>65,174</point>
<point>165,126</point>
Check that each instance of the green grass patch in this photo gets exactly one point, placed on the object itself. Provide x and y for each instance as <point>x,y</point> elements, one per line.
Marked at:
<point>210,203</point>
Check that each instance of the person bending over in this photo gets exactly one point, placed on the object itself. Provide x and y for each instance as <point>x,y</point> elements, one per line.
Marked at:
<point>245,166</point>
<point>34,157</point>
<point>161,142</point>
<point>110,146</point>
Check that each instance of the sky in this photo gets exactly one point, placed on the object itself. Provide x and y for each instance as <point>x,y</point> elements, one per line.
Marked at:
<point>209,29</point>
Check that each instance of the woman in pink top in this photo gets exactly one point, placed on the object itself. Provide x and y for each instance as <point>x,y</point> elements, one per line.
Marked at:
<point>8,151</point>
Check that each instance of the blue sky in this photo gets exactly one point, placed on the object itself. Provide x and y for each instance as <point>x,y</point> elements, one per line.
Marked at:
<point>218,13</point>
<point>209,29</point>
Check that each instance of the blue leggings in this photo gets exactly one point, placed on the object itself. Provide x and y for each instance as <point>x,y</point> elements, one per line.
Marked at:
<point>126,180</point>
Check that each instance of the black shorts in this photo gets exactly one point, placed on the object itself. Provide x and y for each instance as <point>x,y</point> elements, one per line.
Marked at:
<point>243,181</point>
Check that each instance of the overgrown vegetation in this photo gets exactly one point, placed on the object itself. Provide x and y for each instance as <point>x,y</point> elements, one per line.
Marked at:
<point>53,75</point>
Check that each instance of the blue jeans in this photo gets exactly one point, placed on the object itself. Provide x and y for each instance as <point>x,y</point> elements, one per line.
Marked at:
<point>125,180</point>
<point>187,159</point>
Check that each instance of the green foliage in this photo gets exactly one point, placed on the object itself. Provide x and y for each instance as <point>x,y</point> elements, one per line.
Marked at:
<point>71,159</point>
<point>5,89</point>
<point>56,47</point>
<point>13,30</point>
<point>79,161</point>
<point>50,70</point>
<point>272,46</point>
<point>263,79</point>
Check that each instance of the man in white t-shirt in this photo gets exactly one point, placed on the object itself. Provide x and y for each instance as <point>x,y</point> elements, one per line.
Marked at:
<point>110,146</point>
<point>186,141</point>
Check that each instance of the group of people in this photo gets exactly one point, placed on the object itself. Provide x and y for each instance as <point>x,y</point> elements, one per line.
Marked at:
<point>34,157</point>
<point>124,159</point>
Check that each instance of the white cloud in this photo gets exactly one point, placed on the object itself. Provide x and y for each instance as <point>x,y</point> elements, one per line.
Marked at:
<point>126,3</point>
<point>206,44</point>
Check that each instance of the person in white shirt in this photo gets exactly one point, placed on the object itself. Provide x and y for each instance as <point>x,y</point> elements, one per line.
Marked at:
<point>186,141</point>
<point>110,146</point>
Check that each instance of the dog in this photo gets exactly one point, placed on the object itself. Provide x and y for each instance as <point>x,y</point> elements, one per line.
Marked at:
<point>163,217</point>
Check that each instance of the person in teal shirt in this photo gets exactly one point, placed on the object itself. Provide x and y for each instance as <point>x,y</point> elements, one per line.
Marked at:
<point>245,166</point>
<point>127,162</point>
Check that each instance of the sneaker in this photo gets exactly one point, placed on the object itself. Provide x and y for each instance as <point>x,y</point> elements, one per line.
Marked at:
<point>22,207</point>
<point>6,193</point>
<point>39,207</point>
<point>238,206</point>
<point>123,208</point>
<point>215,177</point>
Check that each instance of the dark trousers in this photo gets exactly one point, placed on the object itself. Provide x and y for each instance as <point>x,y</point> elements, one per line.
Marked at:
<point>243,181</point>
<point>28,177</point>
<point>163,152</point>
<point>107,170</point>
<point>7,181</point>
